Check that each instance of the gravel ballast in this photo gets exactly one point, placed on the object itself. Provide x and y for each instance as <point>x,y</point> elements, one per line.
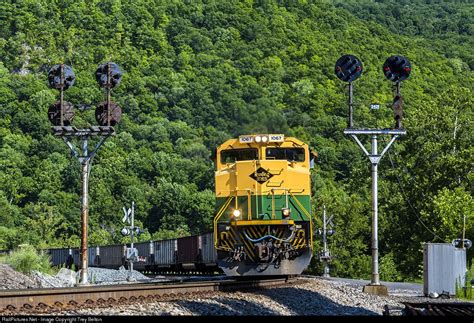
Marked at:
<point>312,296</point>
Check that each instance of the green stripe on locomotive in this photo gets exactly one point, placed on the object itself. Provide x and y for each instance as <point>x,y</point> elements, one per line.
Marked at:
<point>265,206</point>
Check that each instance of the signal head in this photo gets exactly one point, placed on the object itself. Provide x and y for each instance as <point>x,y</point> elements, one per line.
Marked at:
<point>397,68</point>
<point>54,113</point>
<point>348,68</point>
<point>108,75</point>
<point>58,81</point>
<point>102,114</point>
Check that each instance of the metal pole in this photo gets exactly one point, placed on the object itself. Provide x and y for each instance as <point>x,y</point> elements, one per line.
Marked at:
<point>108,94</point>
<point>61,100</point>
<point>133,227</point>
<point>463,230</point>
<point>375,251</point>
<point>84,212</point>
<point>325,246</point>
<point>350,123</point>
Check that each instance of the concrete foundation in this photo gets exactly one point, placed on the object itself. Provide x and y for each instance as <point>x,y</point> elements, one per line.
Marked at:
<point>379,290</point>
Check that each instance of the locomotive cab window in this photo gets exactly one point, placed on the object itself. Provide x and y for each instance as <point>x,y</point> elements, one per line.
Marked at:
<point>233,155</point>
<point>290,154</point>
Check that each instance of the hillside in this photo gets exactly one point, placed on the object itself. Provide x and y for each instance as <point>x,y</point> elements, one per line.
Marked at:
<point>200,72</point>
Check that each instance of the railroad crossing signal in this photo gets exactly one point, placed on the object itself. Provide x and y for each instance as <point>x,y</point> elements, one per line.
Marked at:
<point>126,217</point>
<point>458,243</point>
<point>132,254</point>
<point>325,255</point>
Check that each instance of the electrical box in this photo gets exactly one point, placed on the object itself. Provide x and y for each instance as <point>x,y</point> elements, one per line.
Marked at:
<point>443,266</point>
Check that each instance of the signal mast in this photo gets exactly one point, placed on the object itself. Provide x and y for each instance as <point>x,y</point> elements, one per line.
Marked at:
<point>61,114</point>
<point>396,68</point>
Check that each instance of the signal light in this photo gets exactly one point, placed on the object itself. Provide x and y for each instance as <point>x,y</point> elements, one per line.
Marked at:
<point>398,110</point>
<point>54,113</point>
<point>348,68</point>
<point>125,232</point>
<point>61,77</point>
<point>108,75</point>
<point>104,118</point>
<point>397,68</point>
<point>458,243</point>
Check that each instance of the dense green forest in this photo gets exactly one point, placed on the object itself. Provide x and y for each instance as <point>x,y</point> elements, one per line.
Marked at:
<point>199,72</point>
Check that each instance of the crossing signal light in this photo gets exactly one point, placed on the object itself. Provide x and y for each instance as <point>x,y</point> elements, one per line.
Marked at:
<point>459,243</point>
<point>397,68</point>
<point>348,68</point>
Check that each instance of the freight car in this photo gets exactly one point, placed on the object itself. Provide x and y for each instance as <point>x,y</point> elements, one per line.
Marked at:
<point>263,223</point>
<point>183,255</point>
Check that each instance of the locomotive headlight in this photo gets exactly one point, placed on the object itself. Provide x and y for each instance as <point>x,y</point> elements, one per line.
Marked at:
<point>236,213</point>
<point>264,139</point>
<point>258,139</point>
<point>286,212</point>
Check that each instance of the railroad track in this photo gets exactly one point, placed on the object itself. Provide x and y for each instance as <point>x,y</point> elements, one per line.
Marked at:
<point>50,300</point>
<point>439,309</point>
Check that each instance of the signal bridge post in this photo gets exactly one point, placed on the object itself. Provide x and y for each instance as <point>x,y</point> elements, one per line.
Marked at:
<point>85,159</point>
<point>61,114</point>
<point>396,68</point>
<point>374,158</point>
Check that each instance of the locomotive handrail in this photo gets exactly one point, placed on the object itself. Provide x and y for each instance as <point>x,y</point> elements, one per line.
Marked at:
<point>273,198</point>
<point>249,201</point>
<point>219,214</point>
<point>275,171</point>
<point>307,214</point>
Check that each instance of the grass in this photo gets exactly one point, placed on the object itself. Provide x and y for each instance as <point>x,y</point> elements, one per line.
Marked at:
<point>26,259</point>
<point>465,292</point>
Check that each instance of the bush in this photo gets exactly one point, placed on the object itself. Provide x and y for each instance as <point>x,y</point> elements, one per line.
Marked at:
<point>388,269</point>
<point>25,259</point>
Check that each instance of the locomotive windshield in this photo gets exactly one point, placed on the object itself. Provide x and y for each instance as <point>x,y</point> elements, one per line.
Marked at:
<point>290,154</point>
<point>233,155</point>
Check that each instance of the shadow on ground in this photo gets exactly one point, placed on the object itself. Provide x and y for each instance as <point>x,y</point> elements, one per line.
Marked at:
<point>280,301</point>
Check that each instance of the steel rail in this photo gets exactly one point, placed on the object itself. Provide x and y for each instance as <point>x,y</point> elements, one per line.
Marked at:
<point>26,299</point>
<point>438,309</point>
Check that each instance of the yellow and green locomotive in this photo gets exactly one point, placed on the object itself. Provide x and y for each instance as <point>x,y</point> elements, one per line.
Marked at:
<point>263,206</point>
